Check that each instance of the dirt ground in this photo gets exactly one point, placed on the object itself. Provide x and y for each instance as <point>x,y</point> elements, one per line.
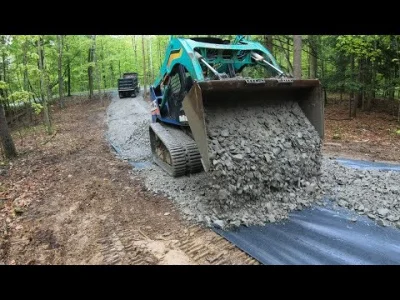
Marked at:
<point>68,200</point>
<point>369,136</point>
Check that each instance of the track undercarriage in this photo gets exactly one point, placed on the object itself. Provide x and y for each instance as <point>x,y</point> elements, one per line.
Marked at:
<point>174,150</point>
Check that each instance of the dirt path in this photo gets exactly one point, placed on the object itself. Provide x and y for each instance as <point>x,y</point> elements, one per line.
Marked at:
<point>370,136</point>
<point>68,200</point>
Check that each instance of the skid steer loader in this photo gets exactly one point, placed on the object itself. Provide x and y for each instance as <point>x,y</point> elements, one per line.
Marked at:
<point>203,74</point>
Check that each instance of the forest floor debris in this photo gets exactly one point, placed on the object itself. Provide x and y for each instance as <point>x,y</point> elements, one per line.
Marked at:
<point>370,136</point>
<point>81,205</point>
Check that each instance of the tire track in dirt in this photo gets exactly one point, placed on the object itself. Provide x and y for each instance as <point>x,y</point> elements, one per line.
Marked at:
<point>199,246</point>
<point>88,207</point>
<point>206,247</point>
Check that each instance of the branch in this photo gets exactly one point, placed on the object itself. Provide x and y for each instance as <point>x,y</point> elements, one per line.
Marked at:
<point>287,58</point>
<point>303,50</point>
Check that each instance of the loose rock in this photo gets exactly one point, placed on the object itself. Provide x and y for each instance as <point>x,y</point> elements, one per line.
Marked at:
<point>250,196</point>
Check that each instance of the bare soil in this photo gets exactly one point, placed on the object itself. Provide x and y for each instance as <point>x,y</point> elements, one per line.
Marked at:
<point>369,136</point>
<point>67,199</point>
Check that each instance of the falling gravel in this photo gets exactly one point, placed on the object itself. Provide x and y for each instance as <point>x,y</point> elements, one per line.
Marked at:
<point>265,164</point>
<point>262,154</point>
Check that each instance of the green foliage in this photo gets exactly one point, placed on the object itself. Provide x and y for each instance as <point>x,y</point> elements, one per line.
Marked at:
<point>37,107</point>
<point>362,46</point>
<point>117,54</point>
<point>3,85</point>
<point>21,96</point>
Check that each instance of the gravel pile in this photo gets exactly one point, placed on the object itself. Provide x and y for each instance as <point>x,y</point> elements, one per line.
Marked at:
<point>265,162</point>
<point>262,153</point>
<point>262,168</point>
<point>374,193</point>
<point>368,192</point>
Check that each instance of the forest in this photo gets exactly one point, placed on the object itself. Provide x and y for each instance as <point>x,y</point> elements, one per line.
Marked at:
<point>359,71</point>
<point>78,179</point>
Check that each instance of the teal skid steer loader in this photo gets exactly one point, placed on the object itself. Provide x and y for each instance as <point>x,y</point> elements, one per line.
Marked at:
<point>201,74</point>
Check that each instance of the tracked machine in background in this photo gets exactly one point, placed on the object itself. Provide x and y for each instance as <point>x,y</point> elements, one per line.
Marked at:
<point>204,74</point>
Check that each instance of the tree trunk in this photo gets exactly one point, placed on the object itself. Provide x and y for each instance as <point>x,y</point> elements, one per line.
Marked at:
<point>392,72</point>
<point>373,82</point>
<point>352,90</point>
<point>3,55</point>
<point>135,51</point>
<point>371,94</point>
<point>287,55</point>
<point>268,43</point>
<point>90,68</point>
<point>360,79</point>
<point>25,63</point>
<point>313,56</point>
<point>44,87</point>
<point>357,97</point>
<point>342,64</point>
<point>144,69</point>
<point>5,136</point>
<point>398,92</point>
<point>391,87</point>
<point>96,68</point>
<point>151,61</point>
<point>398,113</point>
<point>112,74</point>
<point>159,50</point>
<point>297,44</point>
<point>60,43</point>
<point>103,68</point>
<point>68,72</point>
<point>368,73</point>
<point>69,79</point>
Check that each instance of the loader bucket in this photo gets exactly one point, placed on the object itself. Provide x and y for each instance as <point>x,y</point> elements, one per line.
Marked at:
<point>216,94</point>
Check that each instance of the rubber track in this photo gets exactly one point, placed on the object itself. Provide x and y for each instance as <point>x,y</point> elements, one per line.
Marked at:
<point>184,153</point>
